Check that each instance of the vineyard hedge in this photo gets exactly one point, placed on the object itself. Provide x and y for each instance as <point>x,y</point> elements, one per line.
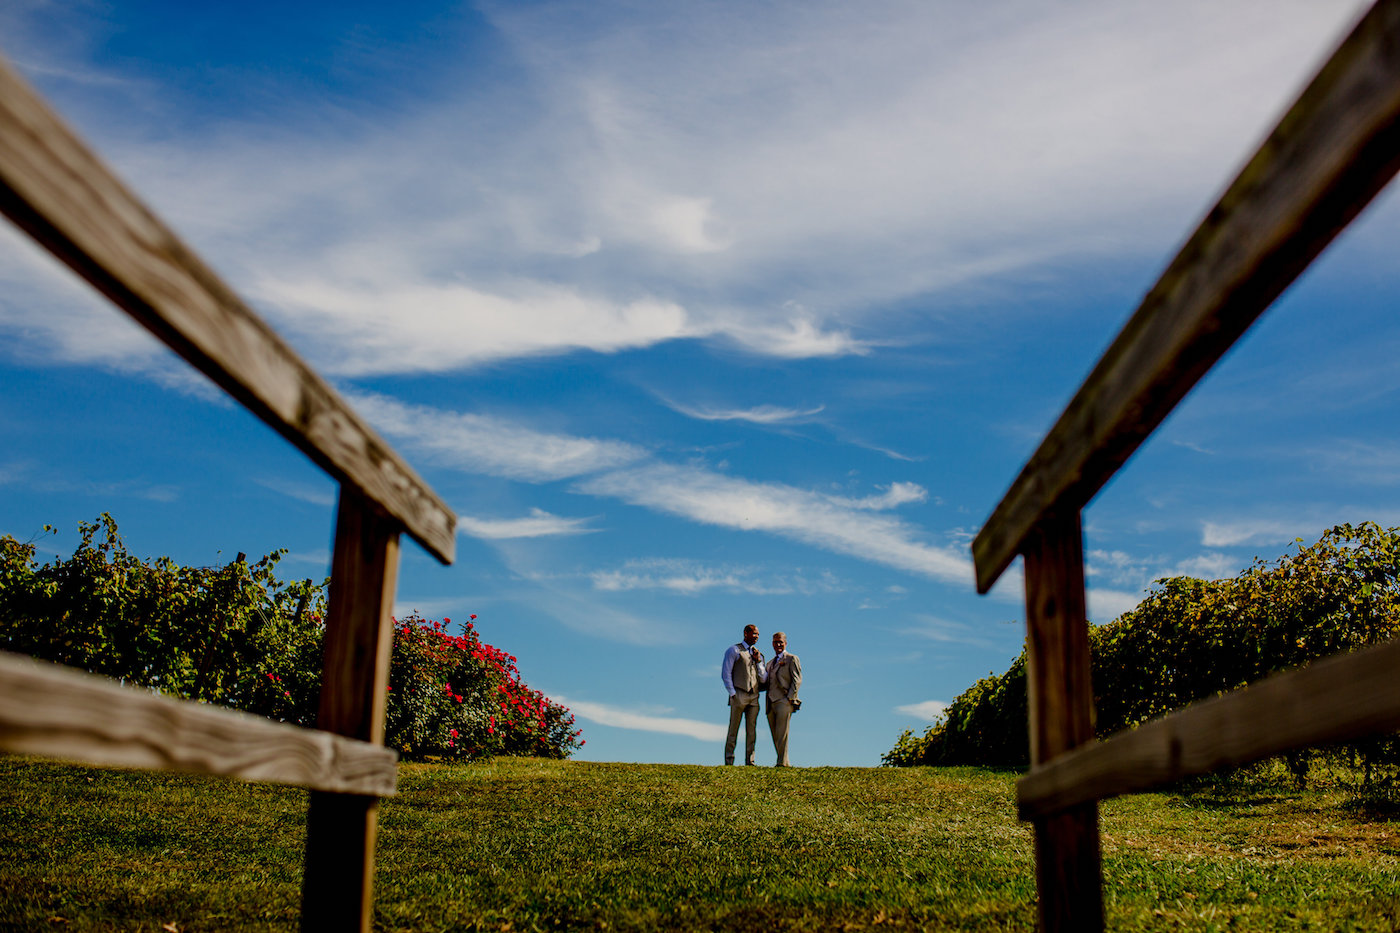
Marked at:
<point>239,637</point>
<point>1191,639</point>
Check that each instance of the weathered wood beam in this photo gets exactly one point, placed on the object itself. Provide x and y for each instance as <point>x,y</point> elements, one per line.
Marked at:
<point>56,189</point>
<point>63,713</point>
<point>1343,697</point>
<point>1061,707</point>
<point>338,882</point>
<point>1328,157</point>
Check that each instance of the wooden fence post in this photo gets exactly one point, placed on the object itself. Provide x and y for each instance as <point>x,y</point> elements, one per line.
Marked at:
<point>337,887</point>
<point>1068,872</point>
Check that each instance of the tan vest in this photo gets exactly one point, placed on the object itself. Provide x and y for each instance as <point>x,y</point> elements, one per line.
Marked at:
<point>745,671</point>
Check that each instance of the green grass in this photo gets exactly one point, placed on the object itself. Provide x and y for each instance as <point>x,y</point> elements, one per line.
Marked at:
<point>521,844</point>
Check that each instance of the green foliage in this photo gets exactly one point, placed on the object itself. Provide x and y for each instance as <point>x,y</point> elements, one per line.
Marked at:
<point>985,725</point>
<point>1192,639</point>
<point>234,635</point>
<point>239,637</point>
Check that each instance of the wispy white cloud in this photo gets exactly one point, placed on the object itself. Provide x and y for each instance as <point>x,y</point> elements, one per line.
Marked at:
<point>800,515</point>
<point>896,495</point>
<point>1246,531</point>
<point>1106,605</point>
<point>930,710</point>
<point>1362,461</point>
<point>952,632</point>
<point>321,558</point>
<point>538,524</point>
<point>322,494</point>
<point>692,578</point>
<point>761,414</point>
<point>620,718</point>
<point>1100,560</point>
<point>1211,565</point>
<point>790,338</point>
<point>1119,568</point>
<point>388,327</point>
<point>890,594</point>
<point>577,607</point>
<point>483,444</point>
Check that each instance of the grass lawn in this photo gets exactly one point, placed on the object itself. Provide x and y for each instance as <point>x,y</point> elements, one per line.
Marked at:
<point>518,845</point>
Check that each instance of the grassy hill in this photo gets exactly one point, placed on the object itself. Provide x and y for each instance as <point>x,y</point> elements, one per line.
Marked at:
<point>521,844</point>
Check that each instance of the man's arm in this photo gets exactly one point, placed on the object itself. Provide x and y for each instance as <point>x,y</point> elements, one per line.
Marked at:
<point>796,676</point>
<point>726,668</point>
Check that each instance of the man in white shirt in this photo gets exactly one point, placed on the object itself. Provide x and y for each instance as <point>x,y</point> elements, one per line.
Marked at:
<point>743,675</point>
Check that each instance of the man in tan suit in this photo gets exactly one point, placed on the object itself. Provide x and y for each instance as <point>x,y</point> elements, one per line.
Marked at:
<point>784,676</point>
<point>743,674</point>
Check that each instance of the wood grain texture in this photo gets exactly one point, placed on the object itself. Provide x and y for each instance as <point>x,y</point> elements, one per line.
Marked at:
<point>1341,698</point>
<point>1059,690</point>
<point>1328,157</point>
<point>359,620</point>
<point>1061,708</point>
<point>338,882</point>
<point>57,190</point>
<point>63,713</point>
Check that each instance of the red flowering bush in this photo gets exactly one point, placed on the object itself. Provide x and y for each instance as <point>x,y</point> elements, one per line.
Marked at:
<point>454,696</point>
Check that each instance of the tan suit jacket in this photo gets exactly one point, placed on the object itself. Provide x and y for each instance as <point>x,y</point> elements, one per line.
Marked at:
<point>784,679</point>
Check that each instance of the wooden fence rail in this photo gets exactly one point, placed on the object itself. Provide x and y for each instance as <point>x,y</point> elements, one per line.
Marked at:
<point>56,189</point>
<point>1333,151</point>
<point>1337,699</point>
<point>62,713</point>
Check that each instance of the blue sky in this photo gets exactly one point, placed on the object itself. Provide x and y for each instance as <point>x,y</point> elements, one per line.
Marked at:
<point>697,314</point>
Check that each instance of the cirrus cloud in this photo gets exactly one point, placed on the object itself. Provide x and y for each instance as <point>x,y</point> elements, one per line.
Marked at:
<point>931,710</point>
<point>483,444</point>
<point>538,524</point>
<point>618,718</point>
<point>717,499</point>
